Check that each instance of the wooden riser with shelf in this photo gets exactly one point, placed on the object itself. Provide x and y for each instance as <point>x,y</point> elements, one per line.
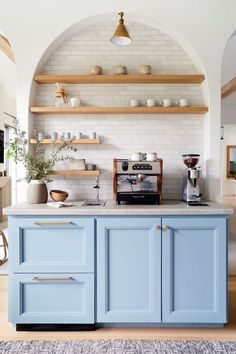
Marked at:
<point>120,110</point>
<point>121,79</point>
<point>71,141</point>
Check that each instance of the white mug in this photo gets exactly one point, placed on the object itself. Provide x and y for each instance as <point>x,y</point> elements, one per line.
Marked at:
<point>75,102</point>
<point>183,102</point>
<point>67,135</point>
<point>92,135</point>
<point>150,102</point>
<point>151,156</point>
<point>54,136</point>
<point>166,102</point>
<point>136,156</point>
<point>134,102</point>
<point>79,135</point>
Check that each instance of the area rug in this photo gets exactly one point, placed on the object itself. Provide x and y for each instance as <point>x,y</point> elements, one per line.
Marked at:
<point>116,347</point>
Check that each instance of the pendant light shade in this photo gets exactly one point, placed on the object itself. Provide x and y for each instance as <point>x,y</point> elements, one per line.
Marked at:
<point>121,35</point>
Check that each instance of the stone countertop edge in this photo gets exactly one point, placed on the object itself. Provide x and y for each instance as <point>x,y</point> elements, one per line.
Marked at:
<point>173,207</point>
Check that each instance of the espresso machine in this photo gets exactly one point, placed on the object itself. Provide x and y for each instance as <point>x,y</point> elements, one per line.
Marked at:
<point>191,182</point>
<point>137,182</point>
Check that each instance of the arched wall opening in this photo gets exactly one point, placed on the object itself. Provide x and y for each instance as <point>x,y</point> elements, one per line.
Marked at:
<point>86,44</point>
<point>228,139</point>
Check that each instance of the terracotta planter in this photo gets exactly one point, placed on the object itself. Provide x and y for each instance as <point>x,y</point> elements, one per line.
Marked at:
<point>37,192</point>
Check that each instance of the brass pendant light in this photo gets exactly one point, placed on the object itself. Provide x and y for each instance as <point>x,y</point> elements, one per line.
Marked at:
<point>121,35</point>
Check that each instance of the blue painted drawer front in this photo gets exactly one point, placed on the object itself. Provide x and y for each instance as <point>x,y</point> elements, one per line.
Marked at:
<point>68,301</point>
<point>128,270</point>
<point>36,246</point>
<point>194,281</point>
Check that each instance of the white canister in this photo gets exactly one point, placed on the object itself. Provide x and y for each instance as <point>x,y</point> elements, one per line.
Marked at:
<point>183,102</point>
<point>134,102</point>
<point>150,102</point>
<point>166,102</point>
<point>136,156</point>
<point>92,135</point>
<point>75,101</point>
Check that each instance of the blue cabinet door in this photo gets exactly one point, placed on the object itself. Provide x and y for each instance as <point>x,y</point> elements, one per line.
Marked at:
<point>51,244</point>
<point>194,268</point>
<point>128,270</point>
<point>51,298</point>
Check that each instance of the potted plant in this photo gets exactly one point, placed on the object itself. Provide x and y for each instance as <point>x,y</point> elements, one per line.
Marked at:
<point>36,162</point>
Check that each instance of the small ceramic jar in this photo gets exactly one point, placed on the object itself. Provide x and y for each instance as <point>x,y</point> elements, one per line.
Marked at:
<point>145,69</point>
<point>96,70</point>
<point>120,70</point>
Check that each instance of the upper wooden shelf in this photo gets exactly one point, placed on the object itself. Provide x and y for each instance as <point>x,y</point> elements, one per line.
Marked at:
<point>120,110</point>
<point>120,79</point>
<point>71,141</point>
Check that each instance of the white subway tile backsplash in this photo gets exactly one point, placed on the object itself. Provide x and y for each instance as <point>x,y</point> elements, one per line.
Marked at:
<point>169,135</point>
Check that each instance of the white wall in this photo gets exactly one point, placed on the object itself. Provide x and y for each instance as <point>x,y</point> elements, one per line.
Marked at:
<point>203,26</point>
<point>169,135</point>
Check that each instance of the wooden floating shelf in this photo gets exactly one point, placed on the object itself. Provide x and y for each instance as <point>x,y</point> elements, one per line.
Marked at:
<point>75,141</point>
<point>120,110</point>
<point>75,172</point>
<point>120,79</point>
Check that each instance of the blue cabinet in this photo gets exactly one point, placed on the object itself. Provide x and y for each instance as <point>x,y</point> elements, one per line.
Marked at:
<point>137,270</point>
<point>129,270</point>
<point>50,298</point>
<point>51,264</point>
<point>41,244</point>
<point>194,270</point>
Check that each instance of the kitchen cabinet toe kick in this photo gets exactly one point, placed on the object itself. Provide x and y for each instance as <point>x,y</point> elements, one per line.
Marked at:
<point>55,327</point>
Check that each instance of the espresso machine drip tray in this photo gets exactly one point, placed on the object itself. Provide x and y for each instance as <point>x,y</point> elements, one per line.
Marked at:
<point>197,204</point>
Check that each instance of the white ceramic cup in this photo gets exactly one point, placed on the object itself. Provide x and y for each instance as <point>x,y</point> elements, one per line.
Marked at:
<point>67,135</point>
<point>166,102</point>
<point>54,136</point>
<point>151,156</point>
<point>183,102</point>
<point>134,102</point>
<point>136,156</point>
<point>79,135</point>
<point>40,136</point>
<point>92,135</point>
<point>150,102</point>
<point>75,102</point>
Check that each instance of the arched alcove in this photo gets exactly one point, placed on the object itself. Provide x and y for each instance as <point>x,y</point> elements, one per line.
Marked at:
<point>228,123</point>
<point>87,44</point>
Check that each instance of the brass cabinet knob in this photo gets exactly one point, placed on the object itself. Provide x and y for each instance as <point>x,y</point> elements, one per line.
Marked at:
<point>158,228</point>
<point>166,228</point>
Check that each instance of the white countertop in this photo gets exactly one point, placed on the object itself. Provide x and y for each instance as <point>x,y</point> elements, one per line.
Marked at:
<point>169,207</point>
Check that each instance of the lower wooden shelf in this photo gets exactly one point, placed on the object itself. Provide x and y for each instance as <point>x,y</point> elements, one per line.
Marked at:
<point>75,172</point>
<point>120,110</point>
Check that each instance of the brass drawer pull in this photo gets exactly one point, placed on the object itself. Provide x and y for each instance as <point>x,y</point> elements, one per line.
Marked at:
<point>166,228</point>
<point>52,222</point>
<point>64,278</point>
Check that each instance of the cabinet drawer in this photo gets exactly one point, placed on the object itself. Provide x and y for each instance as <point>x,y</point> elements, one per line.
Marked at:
<point>51,244</point>
<point>60,298</point>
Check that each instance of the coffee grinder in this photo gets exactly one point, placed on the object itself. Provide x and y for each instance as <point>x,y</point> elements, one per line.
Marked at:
<point>191,183</point>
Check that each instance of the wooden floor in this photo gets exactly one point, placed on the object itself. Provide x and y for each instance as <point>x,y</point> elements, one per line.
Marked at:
<point>7,331</point>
